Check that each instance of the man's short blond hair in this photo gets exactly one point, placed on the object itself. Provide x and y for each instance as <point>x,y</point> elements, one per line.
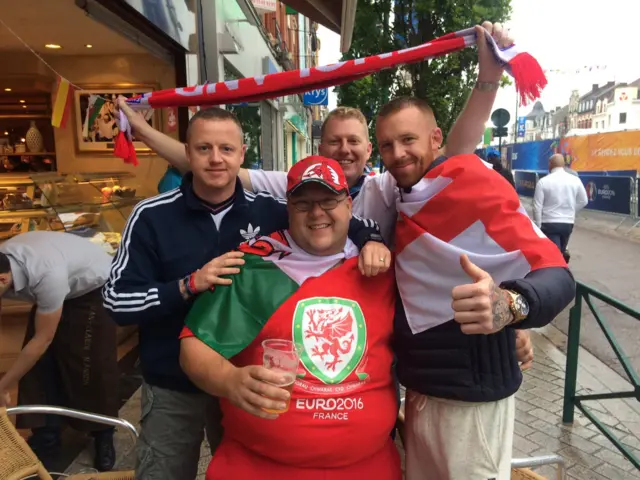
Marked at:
<point>344,113</point>
<point>400,103</point>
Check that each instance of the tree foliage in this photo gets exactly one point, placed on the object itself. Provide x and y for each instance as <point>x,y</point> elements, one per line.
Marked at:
<point>249,118</point>
<point>388,25</point>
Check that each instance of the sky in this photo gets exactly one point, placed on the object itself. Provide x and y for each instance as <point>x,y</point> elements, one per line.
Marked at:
<point>560,34</point>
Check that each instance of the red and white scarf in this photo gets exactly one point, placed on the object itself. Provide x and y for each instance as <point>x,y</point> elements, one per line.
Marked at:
<point>527,73</point>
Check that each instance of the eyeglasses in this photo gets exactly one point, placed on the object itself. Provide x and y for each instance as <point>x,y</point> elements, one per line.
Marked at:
<point>325,204</point>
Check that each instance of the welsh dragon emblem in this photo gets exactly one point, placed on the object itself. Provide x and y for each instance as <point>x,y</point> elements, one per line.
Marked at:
<point>263,247</point>
<point>332,331</point>
<point>333,334</point>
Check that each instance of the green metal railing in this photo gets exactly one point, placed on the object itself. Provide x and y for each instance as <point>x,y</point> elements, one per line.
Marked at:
<point>571,400</point>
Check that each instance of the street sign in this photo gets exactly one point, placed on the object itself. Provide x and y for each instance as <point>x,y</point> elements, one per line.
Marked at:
<point>500,132</point>
<point>319,96</point>
<point>522,126</point>
<point>500,117</point>
<point>265,6</point>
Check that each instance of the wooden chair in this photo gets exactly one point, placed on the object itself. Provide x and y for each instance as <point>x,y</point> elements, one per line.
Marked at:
<point>17,460</point>
<point>130,475</point>
<point>519,470</point>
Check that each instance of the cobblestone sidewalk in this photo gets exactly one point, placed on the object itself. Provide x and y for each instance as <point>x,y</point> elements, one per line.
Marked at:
<point>538,430</point>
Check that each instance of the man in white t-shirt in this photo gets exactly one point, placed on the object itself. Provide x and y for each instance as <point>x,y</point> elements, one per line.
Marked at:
<point>557,199</point>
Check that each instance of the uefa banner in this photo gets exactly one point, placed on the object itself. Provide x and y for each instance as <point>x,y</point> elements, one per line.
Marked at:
<point>608,194</point>
<point>532,155</point>
<point>525,183</point>
<point>603,151</point>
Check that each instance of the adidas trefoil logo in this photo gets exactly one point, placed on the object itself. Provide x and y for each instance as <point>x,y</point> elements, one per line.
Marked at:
<point>250,233</point>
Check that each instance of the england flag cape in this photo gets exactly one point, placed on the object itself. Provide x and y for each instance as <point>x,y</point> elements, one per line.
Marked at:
<point>462,206</point>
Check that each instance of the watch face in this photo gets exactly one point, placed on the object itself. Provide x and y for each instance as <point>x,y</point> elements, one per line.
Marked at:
<point>522,306</point>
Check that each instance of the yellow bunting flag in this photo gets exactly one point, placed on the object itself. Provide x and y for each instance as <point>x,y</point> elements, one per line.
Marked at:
<point>62,103</point>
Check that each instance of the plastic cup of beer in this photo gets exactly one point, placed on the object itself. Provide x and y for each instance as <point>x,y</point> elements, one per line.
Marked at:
<point>282,357</point>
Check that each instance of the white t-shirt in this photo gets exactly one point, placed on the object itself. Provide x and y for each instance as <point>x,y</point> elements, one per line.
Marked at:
<point>558,196</point>
<point>376,199</point>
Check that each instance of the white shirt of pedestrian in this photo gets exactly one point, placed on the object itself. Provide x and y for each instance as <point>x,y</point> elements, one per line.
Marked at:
<point>558,197</point>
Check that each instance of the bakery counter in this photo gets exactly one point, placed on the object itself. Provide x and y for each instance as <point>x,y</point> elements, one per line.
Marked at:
<point>73,202</point>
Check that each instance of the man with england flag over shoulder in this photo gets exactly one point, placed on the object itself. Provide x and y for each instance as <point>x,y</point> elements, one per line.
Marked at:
<point>471,268</point>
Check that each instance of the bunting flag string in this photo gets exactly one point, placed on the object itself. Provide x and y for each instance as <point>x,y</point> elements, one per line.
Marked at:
<point>64,89</point>
<point>62,103</point>
<point>576,70</point>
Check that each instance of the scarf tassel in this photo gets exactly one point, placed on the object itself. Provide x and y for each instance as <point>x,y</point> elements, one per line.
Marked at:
<point>124,147</point>
<point>529,77</point>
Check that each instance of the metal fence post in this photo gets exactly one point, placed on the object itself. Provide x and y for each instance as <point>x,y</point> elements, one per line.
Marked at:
<point>573,347</point>
<point>634,189</point>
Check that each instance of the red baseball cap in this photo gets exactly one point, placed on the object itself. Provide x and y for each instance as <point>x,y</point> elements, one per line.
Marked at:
<point>322,170</point>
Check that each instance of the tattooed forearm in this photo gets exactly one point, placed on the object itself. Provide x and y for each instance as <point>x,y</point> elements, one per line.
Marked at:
<point>502,315</point>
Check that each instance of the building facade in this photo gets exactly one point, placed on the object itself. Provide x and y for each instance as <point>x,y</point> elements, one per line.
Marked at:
<point>246,38</point>
<point>607,108</point>
<point>619,109</point>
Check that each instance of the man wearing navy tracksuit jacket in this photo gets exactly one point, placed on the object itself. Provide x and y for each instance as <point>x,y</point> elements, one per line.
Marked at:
<point>173,246</point>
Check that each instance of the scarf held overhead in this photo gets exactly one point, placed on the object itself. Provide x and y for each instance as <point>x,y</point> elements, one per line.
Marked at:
<point>527,73</point>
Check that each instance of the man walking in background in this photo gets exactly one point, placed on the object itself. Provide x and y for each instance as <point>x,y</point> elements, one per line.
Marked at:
<point>557,199</point>
<point>493,157</point>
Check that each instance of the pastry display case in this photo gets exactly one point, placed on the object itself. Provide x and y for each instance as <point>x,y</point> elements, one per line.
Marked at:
<point>93,205</point>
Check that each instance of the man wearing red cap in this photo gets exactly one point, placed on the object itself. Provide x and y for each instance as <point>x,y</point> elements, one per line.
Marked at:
<point>301,285</point>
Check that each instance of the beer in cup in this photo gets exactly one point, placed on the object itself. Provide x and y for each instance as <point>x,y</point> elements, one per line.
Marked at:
<point>282,357</point>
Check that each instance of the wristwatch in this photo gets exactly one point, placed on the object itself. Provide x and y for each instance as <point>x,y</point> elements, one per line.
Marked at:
<point>518,306</point>
<point>371,237</point>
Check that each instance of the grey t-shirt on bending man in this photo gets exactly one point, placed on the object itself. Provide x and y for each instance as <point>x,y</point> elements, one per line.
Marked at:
<point>51,267</point>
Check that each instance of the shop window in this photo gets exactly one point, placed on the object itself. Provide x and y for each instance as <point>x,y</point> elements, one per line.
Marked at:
<point>26,135</point>
<point>623,117</point>
<point>249,117</point>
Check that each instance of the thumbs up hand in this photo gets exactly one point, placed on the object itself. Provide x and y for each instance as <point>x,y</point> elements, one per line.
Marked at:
<point>480,307</point>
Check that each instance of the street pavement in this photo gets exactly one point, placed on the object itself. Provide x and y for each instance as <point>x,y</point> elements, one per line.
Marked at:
<point>539,430</point>
<point>604,257</point>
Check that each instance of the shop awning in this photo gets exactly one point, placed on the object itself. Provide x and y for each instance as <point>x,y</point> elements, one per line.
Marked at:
<point>336,15</point>
<point>295,123</point>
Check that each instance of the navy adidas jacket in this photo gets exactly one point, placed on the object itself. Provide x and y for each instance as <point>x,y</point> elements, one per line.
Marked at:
<point>168,237</point>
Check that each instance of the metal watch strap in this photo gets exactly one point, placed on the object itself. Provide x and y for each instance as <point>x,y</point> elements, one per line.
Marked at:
<point>487,86</point>
<point>517,318</point>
